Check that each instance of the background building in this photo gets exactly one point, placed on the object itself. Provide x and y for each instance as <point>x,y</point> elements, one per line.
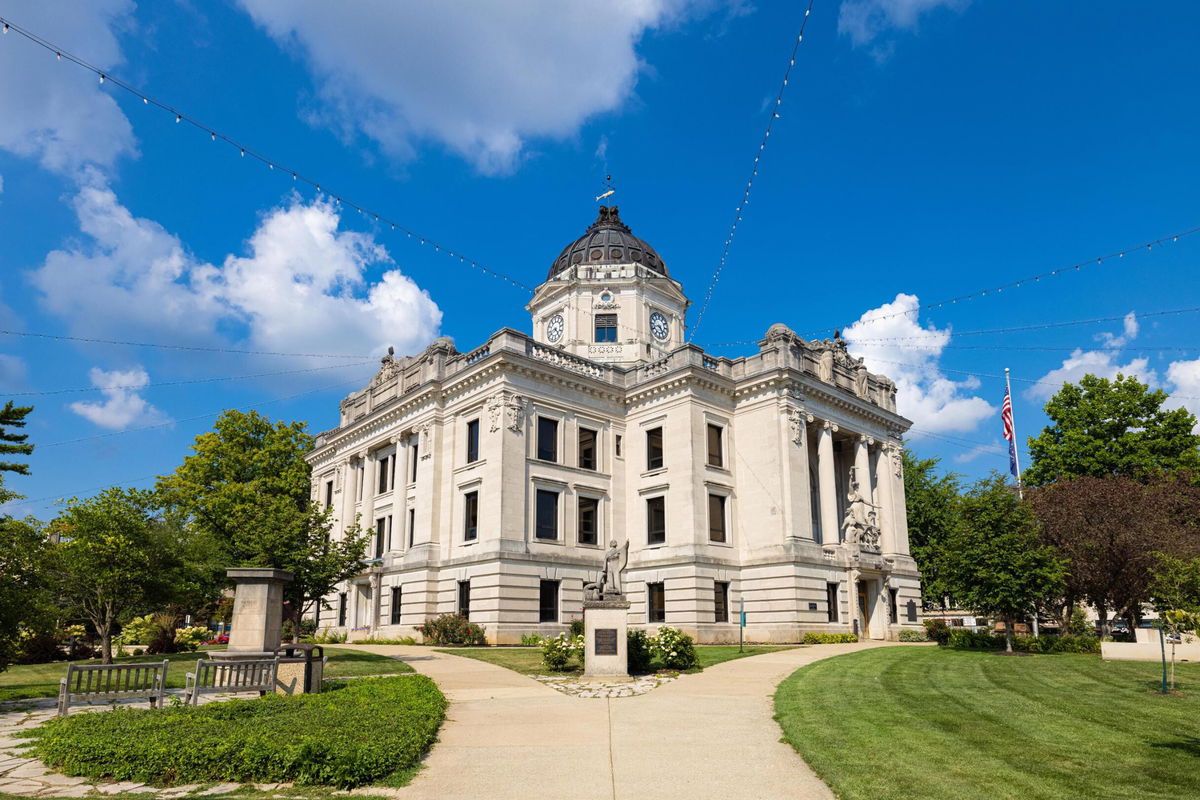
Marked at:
<point>494,479</point>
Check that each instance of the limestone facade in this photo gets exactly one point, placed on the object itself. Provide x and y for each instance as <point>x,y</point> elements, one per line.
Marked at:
<point>494,479</point>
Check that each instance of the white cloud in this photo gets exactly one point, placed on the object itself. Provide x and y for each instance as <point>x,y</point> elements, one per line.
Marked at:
<point>302,286</point>
<point>1103,363</point>
<point>865,20</point>
<point>54,112</point>
<point>1184,378</point>
<point>993,449</point>
<point>923,394</point>
<point>122,405</point>
<point>481,77</point>
<point>13,370</point>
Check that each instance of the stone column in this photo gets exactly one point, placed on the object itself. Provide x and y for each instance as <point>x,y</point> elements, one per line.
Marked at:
<point>370,484</point>
<point>349,493</point>
<point>899,511</point>
<point>797,487</point>
<point>862,466</point>
<point>400,493</point>
<point>376,599</point>
<point>885,497</point>
<point>856,621</point>
<point>827,484</point>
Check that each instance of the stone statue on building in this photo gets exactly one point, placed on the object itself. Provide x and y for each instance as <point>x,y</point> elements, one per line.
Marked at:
<point>860,380</point>
<point>616,558</point>
<point>859,525</point>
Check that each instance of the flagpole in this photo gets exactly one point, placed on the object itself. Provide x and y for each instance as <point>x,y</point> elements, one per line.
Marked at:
<point>1016,455</point>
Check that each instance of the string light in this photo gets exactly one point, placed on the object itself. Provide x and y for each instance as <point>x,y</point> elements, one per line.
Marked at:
<point>161,346</point>
<point>271,163</point>
<point>762,145</point>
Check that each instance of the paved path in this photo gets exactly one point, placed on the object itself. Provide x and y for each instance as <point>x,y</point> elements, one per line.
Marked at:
<point>706,735</point>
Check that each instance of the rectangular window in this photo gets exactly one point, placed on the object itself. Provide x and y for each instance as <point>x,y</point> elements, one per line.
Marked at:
<point>472,441</point>
<point>716,518</point>
<point>656,520</point>
<point>395,616</point>
<point>894,600</point>
<point>382,468</point>
<point>831,601</point>
<point>414,451</point>
<point>391,471</point>
<point>361,478</point>
<point>380,532</point>
<point>547,439</point>
<point>589,514</point>
<point>654,448</point>
<point>470,516</point>
<point>329,494</point>
<point>412,526</point>
<point>587,448</point>
<point>656,602</point>
<point>617,445</point>
<point>606,327</point>
<point>342,610</point>
<point>546,515</point>
<point>548,602</point>
<point>389,534</point>
<point>721,601</point>
<point>716,454</point>
<point>464,599</point>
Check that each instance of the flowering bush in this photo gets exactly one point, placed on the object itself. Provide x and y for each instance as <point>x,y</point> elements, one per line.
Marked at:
<point>452,629</point>
<point>558,652</point>
<point>673,649</point>
<point>531,640</point>
<point>219,639</point>
<point>188,639</point>
<point>937,630</point>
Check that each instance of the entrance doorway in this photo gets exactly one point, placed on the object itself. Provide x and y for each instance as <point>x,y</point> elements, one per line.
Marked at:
<point>864,606</point>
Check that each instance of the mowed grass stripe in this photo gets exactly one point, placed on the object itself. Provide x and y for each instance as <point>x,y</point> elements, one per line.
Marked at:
<point>930,723</point>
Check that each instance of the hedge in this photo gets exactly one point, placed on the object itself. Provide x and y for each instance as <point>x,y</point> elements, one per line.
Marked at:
<point>829,638</point>
<point>352,734</point>
<point>962,639</point>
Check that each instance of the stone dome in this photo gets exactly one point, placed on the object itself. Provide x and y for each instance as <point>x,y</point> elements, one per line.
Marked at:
<point>608,241</point>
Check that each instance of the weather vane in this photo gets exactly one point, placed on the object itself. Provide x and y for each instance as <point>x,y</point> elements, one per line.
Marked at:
<point>609,189</point>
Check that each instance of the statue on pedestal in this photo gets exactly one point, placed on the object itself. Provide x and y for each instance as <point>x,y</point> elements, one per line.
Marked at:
<point>616,558</point>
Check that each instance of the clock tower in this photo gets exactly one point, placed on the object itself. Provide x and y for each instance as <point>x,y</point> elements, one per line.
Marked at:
<point>609,298</point>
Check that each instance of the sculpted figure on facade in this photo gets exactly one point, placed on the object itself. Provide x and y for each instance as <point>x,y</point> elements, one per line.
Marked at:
<point>859,525</point>
<point>798,420</point>
<point>825,362</point>
<point>861,383</point>
<point>515,406</point>
<point>495,408</point>
<point>389,369</point>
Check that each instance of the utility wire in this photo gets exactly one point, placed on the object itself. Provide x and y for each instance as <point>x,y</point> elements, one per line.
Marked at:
<point>155,385</point>
<point>160,346</point>
<point>272,164</point>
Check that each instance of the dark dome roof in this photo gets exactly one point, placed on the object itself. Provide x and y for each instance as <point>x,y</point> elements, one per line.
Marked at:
<point>608,241</point>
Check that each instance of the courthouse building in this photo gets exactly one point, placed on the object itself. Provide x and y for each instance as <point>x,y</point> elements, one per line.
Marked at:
<point>493,479</point>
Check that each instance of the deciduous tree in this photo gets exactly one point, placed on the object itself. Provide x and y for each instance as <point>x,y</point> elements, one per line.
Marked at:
<point>932,504</point>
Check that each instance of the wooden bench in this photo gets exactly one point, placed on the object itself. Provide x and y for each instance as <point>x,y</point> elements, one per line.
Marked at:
<point>112,682</point>
<point>223,677</point>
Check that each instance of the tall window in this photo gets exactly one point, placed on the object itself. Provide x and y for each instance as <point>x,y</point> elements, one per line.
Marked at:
<point>606,327</point>
<point>361,478</point>
<point>831,600</point>
<point>414,451</point>
<point>342,610</point>
<point>656,602</point>
<point>716,454</point>
<point>380,532</point>
<point>392,471</point>
<point>656,520</point>
<point>464,599</point>
<point>547,439</point>
<point>716,518</point>
<point>548,602</point>
<point>472,441</point>
<point>412,526</point>
<point>654,448</point>
<point>721,601</point>
<point>470,516</point>
<point>395,616</point>
<point>894,600</point>
<point>546,515</point>
<point>329,494</point>
<point>589,513</point>
<point>381,468</point>
<point>617,445</point>
<point>587,448</point>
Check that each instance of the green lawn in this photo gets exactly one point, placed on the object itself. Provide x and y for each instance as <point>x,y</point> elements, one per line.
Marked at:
<point>41,680</point>
<point>929,723</point>
<point>528,660</point>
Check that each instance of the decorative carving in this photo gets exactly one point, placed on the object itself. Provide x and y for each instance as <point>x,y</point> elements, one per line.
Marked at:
<point>337,479</point>
<point>825,365</point>
<point>495,407</point>
<point>860,525</point>
<point>798,420</point>
<point>389,369</point>
<point>897,461</point>
<point>829,425</point>
<point>423,431</point>
<point>515,408</point>
<point>860,381</point>
<point>609,586</point>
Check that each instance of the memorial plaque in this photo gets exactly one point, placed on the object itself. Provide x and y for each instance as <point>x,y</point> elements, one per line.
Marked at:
<point>606,641</point>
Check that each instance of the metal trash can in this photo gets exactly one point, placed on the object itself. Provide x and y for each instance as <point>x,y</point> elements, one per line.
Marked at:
<point>301,668</point>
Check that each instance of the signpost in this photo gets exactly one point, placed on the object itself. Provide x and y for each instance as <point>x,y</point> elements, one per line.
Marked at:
<point>741,622</point>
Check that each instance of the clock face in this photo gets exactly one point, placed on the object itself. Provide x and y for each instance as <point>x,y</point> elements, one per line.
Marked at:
<point>554,328</point>
<point>659,326</point>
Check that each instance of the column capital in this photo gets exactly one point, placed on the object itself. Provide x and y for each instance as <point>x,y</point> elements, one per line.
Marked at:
<point>865,439</point>
<point>362,454</point>
<point>829,425</point>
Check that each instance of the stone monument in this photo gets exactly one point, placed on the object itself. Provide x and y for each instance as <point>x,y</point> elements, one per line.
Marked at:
<point>606,619</point>
<point>257,612</point>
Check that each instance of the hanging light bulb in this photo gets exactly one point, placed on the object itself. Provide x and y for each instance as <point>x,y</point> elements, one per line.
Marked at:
<point>102,77</point>
<point>243,152</point>
<point>212,136</point>
<point>178,118</point>
<point>58,56</point>
<point>145,101</point>
<point>6,27</point>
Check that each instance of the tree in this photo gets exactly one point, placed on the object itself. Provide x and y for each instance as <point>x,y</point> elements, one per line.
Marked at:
<point>248,486</point>
<point>114,556</point>
<point>994,561</point>
<point>1175,584</point>
<point>14,443</point>
<point>24,598</point>
<point>1101,427</point>
<point>932,504</point>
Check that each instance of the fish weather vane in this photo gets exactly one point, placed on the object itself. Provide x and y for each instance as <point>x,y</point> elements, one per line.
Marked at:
<point>609,189</point>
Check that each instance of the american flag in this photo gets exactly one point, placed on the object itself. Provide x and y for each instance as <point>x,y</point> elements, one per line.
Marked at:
<point>1007,419</point>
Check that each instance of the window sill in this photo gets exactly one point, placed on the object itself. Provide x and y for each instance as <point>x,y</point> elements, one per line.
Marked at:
<point>540,540</point>
<point>470,465</point>
<point>720,544</point>
<point>650,473</point>
<point>722,469</point>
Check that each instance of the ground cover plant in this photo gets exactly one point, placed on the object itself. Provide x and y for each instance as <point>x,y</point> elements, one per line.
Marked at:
<point>528,660</point>
<point>41,680</point>
<point>355,733</point>
<point>962,725</point>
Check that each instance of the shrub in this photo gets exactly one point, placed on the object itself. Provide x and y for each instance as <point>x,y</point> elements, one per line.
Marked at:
<point>577,626</point>
<point>938,631</point>
<point>308,627</point>
<point>189,639</point>
<point>967,639</point>
<point>913,636</point>
<point>351,734</point>
<point>637,651</point>
<point>139,630</point>
<point>39,648</point>
<point>1057,644</point>
<point>557,653</point>
<point>830,638</point>
<point>138,651</point>
<point>327,637</point>
<point>451,629</point>
<point>673,649</point>
<point>1079,624</point>
<point>531,640</point>
<point>404,640</point>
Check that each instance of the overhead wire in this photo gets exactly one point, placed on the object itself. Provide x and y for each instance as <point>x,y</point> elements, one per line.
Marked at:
<point>190,382</point>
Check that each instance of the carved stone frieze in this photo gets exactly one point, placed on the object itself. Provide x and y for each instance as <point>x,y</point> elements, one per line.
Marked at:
<point>515,408</point>
<point>495,408</point>
<point>798,420</point>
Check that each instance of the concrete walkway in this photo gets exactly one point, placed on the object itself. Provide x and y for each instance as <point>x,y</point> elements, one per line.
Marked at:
<point>707,735</point>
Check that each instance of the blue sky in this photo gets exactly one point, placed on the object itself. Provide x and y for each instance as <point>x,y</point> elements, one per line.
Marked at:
<point>925,150</point>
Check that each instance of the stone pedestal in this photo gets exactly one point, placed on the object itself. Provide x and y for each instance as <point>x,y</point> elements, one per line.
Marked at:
<point>257,612</point>
<point>605,624</point>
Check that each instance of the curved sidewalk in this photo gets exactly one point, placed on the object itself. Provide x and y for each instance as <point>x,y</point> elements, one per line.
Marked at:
<point>712,734</point>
